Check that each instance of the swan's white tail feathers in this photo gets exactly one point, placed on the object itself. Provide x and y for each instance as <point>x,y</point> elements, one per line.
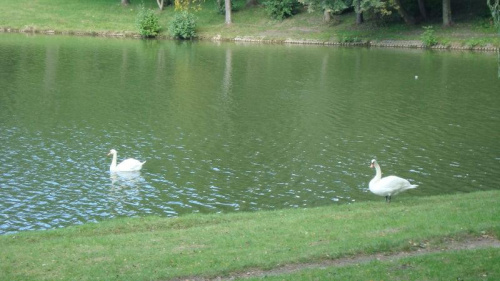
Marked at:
<point>142,163</point>
<point>414,186</point>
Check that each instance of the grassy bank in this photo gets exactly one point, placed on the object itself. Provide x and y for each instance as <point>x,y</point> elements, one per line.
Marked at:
<point>108,17</point>
<point>481,264</point>
<point>222,244</point>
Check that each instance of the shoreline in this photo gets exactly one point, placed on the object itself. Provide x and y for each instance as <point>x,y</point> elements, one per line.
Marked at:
<point>406,44</point>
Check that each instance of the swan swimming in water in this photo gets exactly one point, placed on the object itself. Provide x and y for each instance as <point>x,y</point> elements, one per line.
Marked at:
<point>128,165</point>
<point>388,186</point>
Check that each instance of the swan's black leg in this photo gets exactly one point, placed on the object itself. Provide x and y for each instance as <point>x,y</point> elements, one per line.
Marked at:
<point>388,199</point>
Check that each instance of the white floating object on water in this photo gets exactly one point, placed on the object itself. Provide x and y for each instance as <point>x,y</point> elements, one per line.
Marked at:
<point>128,165</point>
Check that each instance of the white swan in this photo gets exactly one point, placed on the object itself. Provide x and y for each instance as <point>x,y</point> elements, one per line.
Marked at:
<point>128,165</point>
<point>387,186</point>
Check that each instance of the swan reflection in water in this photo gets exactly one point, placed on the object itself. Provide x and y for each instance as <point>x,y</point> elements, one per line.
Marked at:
<point>125,192</point>
<point>125,179</point>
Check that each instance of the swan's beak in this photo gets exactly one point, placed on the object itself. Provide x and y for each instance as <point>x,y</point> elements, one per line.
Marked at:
<point>372,166</point>
<point>109,154</point>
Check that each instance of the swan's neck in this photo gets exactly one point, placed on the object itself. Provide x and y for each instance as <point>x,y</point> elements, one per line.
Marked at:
<point>378,173</point>
<point>113,163</point>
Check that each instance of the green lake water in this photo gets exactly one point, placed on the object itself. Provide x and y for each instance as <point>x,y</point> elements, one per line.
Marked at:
<point>228,127</point>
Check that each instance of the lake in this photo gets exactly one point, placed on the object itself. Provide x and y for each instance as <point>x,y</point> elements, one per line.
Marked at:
<point>228,127</point>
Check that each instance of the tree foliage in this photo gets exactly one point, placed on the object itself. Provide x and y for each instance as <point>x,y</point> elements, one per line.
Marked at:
<point>411,11</point>
<point>188,5</point>
<point>332,6</point>
<point>378,7</point>
<point>281,9</point>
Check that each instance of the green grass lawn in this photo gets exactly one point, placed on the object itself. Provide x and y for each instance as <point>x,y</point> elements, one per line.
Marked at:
<point>61,15</point>
<point>108,16</point>
<point>220,244</point>
<point>481,264</point>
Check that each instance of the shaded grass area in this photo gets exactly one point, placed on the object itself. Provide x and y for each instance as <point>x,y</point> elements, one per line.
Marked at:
<point>108,16</point>
<point>219,244</point>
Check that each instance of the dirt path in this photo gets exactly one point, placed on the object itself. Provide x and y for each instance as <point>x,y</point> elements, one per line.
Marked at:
<point>484,241</point>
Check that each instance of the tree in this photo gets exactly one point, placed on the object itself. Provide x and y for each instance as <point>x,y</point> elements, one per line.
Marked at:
<point>377,7</point>
<point>407,17</point>
<point>359,13</point>
<point>327,15</point>
<point>125,2</point>
<point>495,13</point>
<point>228,11</point>
<point>447,13</point>
<point>421,7</point>
<point>327,6</point>
<point>160,4</point>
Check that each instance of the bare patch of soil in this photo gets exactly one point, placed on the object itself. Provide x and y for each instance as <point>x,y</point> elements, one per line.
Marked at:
<point>485,241</point>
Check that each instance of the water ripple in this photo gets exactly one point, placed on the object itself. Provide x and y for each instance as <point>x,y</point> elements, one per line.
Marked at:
<point>251,133</point>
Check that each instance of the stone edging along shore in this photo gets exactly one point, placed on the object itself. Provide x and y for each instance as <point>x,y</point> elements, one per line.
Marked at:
<point>373,43</point>
<point>416,44</point>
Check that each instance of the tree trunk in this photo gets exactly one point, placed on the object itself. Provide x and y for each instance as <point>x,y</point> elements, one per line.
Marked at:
<point>409,19</point>
<point>125,2</point>
<point>421,7</point>
<point>498,65</point>
<point>447,13</point>
<point>327,15</point>
<point>160,4</point>
<point>495,14</point>
<point>359,13</point>
<point>228,11</point>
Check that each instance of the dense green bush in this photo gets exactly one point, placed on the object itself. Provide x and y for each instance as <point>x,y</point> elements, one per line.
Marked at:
<point>147,22</point>
<point>348,38</point>
<point>183,26</point>
<point>428,37</point>
<point>280,9</point>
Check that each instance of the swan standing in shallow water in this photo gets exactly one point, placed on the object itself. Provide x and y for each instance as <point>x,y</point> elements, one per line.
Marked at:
<point>128,165</point>
<point>387,186</point>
